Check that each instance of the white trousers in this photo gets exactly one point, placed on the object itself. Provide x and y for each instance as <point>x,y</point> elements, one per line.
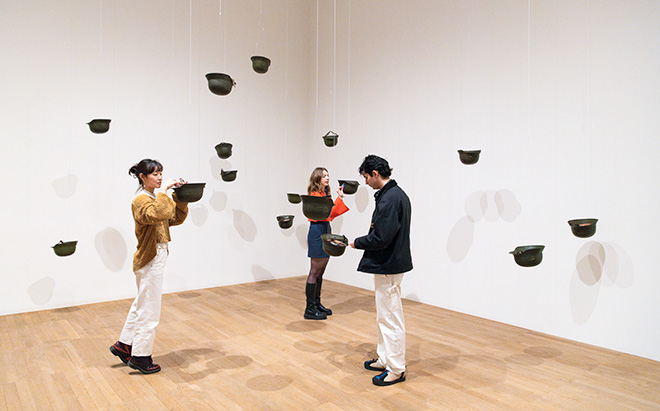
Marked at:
<point>144,315</point>
<point>391,326</point>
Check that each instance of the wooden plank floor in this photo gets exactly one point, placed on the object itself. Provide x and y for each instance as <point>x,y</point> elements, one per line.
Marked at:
<point>247,347</point>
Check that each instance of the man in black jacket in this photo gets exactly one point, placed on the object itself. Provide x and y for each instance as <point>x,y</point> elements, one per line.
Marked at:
<point>387,255</point>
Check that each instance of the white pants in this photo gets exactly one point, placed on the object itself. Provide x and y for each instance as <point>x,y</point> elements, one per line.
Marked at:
<point>144,315</point>
<point>391,326</point>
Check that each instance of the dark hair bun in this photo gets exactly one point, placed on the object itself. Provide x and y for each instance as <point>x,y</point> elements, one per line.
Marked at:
<point>133,171</point>
<point>146,167</point>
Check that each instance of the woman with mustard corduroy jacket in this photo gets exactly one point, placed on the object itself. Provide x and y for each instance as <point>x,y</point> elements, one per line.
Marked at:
<point>154,212</point>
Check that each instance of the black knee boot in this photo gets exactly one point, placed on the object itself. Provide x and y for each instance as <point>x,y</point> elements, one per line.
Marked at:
<point>320,306</point>
<point>311,312</point>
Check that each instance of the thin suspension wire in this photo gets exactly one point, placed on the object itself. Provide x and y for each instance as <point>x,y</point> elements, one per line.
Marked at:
<point>529,65</point>
<point>286,55</point>
<point>317,55</point>
<point>261,27</point>
<point>334,68</point>
<point>316,110</point>
<point>172,52</point>
<point>172,24</point>
<point>224,40</point>
<point>190,71</point>
<point>349,67</point>
<point>587,102</point>
<point>112,58</point>
<point>224,57</point>
<point>286,87</point>
<point>100,43</point>
<point>100,27</point>
<point>70,150</point>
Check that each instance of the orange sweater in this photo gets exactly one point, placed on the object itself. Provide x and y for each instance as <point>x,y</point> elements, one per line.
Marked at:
<point>153,218</point>
<point>338,209</point>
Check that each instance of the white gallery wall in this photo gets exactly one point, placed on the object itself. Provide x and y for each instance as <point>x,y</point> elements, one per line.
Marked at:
<point>561,97</point>
<point>143,65</point>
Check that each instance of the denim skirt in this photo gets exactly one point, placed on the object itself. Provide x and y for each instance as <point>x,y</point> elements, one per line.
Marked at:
<point>314,243</point>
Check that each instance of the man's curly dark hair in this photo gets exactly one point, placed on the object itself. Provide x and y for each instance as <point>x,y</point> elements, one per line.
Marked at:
<point>373,162</point>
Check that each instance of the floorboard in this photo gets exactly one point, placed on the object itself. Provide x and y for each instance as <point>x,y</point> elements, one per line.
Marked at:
<point>247,347</point>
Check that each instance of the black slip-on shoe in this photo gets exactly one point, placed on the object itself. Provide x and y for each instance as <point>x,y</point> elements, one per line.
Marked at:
<point>380,379</point>
<point>368,366</point>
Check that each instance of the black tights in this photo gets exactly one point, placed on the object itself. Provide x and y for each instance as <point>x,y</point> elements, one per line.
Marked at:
<point>316,269</point>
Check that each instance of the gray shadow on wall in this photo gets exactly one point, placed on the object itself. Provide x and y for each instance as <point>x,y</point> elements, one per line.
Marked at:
<point>507,205</point>
<point>361,199</point>
<point>491,213</point>
<point>41,291</point>
<point>460,239</point>
<point>217,164</point>
<point>583,299</point>
<point>412,297</point>
<point>476,205</point>
<point>111,247</point>
<point>259,273</point>
<point>65,187</point>
<point>287,232</point>
<point>585,283</point>
<point>199,214</point>
<point>301,235</point>
<point>492,206</point>
<point>245,225</point>
<point>336,225</point>
<point>605,263</point>
<point>218,200</point>
<point>618,266</point>
<point>597,264</point>
<point>589,263</point>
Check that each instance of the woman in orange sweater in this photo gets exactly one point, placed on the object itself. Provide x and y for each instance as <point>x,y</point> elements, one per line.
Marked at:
<point>154,212</point>
<point>319,185</point>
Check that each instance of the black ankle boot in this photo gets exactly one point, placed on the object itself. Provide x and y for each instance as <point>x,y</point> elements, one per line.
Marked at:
<point>311,312</point>
<point>317,298</point>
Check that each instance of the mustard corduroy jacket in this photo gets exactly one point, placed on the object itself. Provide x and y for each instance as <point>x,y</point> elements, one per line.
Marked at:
<point>153,218</point>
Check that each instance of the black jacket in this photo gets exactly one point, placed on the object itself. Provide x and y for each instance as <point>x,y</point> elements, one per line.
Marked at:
<point>387,246</point>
